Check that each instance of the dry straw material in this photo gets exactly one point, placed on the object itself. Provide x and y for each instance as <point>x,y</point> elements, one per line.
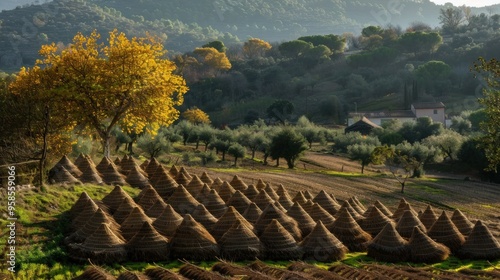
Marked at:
<point>461,222</point>
<point>239,201</point>
<point>112,176</point>
<point>163,183</point>
<point>375,221</point>
<point>321,245</point>
<point>136,179</point>
<point>307,194</point>
<point>260,185</point>
<point>90,174</point>
<point>383,208</point>
<point>252,213</point>
<point>444,231</point>
<point>103,165</point>
<point>227,221</point>
<point>157,209</point>
<point>347,230</point>
<point>160,273</point>
<point>59,175</point>
<point>279,244</point>
<point>251,192</point>
<point>317,213</point>
<point>277,273</point>
<point>144,165</point>
<point>87,210</point>
<point>168,222</point>
<point>182,201</point>
<point>173,171</point>
<point>215,204</point>
<point>354,202</point>
<point>152,166</point>
<point>284,197</point>
<point>299,197</point>
<point>480,244</point>
<point>191,271</point>
<point>94,273</point>
<point>327,202</point>
<point>147,245</point>
<point>103,246</point>
<point>225,191</point>
<point>148,197</point>
<point>425,250</point>
<point>133,223</point>
<point>271,192</point>
<point>406,224</point>
<point>217,183</point>
<point>205,178</point>
<point>239,243</point>
<point>238,184</point>
<point>203,216</point>
<point>203,194</point>
<point>129,275</point>
<point>237,272</point>
<point>263,199</point>
<point>271,212</point>
<point>92,225</point>
<point>68,165</point>
<point>182,179</point>
<point>304,220</point>
<point>192,241</point>
<point>428,217</point>
<point>346,205</point>
<point>389,246</point>
<point>195,185</point>
<point>124,209</point>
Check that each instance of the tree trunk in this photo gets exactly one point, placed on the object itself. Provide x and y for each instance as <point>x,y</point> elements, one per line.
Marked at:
<point>403,187</point>
<point>105,137</point>
<point>362,168</point>
<point>235,161</point>
<point>253,153</point>
<point>290,163</point>
<point>266,155</point>
<point>277,162</point>
<point>223,155</point>
<point>41,164</point>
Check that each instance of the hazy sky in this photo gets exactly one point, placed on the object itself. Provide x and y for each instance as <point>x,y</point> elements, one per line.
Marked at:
<point>472,3</point>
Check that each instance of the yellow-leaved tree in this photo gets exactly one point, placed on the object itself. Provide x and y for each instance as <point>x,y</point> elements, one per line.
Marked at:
<point>126,82</point>
<point>255,47</point>
<point>196,116</point>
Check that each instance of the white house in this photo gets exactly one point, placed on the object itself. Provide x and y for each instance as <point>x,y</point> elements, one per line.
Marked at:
<point>434,110</point>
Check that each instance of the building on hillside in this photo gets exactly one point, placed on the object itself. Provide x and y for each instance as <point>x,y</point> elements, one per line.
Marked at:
<point>363,126</point>
<point>434,110</point>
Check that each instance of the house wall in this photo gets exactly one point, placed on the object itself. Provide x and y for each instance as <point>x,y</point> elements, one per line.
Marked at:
<point>378,121</point>
<point>437,115</point>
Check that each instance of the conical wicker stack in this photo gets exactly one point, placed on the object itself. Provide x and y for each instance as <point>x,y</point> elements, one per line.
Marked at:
<point>375,221</point>
<point>205,178</point>
<point>168,222</point>
<point>307,195</point>
<point>68,165</point>
<point>152,166</point>
<point>182,201</point>
<point>402,207</point>
<point>124,209</point>
<point>358,217</point>
<point>461,222</point>
<point>252,213</point>
<point>103,246</point>
<point>347,230</point>
<point>192,241</point>
<point>60,175</point>
<point>136,179</point>
<point>217,183</point>
<point>263,199</point>
<point>195,185</point>
<point>406,224</point>
<point>284,197</point>
<point>102,167</point>
<point>203,216</point>
<point>278,204</point>
<point>203,194</point>
<point>317,213</point>
<point>144,165</point>
<point>80,160</point>
<point>240,243</point>
<point>118,161</point>
<point>112,176</point>
<point>389,246</point>
<point>94,273</point>
<point>271,212</point>
<point>225,191</point>
<point>321,245</point>
<point>299,197</point>
<point>157,209</point>
<point>359,204</point>
<point>239,201</point>
<point>182,179</point>
<point>148,197</point>
<point>428,217</point>
<point>215,204</point>
<point>304,220</point>
<point>89,173</point>
<point>227,221</point>
<point>92,225</point>
<point>279,244</point>
<point>238,184</point>
<point>184,171</point>
<point>147,245</point>
<point>444,231</point>
<point>356,205</point>
<point>327,202</point>
<point>133,223</point>
<point>173,171</point>
<point>251,192</point>
<point>86,212</point>
<point>480,244</point>
<point>127,164</point>
<point>260,185</point>
<point>308,206</point>
<point>153,179</point>
<point>164,184</point>
<point>271,192</point>
<point>383,208</point>
<point>425,250</point>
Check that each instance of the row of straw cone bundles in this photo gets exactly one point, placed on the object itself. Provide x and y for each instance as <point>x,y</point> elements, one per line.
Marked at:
<point>233,220</point>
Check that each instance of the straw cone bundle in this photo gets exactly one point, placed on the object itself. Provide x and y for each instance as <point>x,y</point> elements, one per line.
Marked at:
<point>129,275</point>
<point>164,184</point>
<point>307,195</point>
<point>428,217</point>
<point>346,205</point>
<point>227,221</point>
<point>375,221</point>
<point>461,222</point>
<point>124,209</point>
<point>347,230</point>
<point>321,245</point>
<point>193,272</point>
<point>144,165</point>
<point>203,194</point>
<point>389,246</point>
<point>103,246</point>
<point>112,176</point>
<point>252,213</point>
<point>299,197</point>
<point>271,212</point>
<point>304,220</point>
<point>271,192</point>
<point>70,166</point>
<point>195,185</point>
<point>103,165</point>
<point>284,197</point>
<point>79,161</point>
<point>279,206</point>
<point>89,172</point>
<point>157,209</point>
<point>174,171</point>
<point>239,201</point>
<point>308,206</point>
<point>263,199</point>
<point>217,183</point>
<point>215,204</point>
<point>133,223</point>
<point>444,231</point>
<point>127,164</point>
<point>94,273</point>
<point>182,201</point>
<point>88,209</point>
<point>251,192</point>
<point>59,174</point>
<point>168,222</point>
<point>239,243</point>
<point>260,185</point>
<point>424,249</point>
<point>480,244</point>
<point>327,202</point>
<point>117,161</point>
<point>153,179</point>
<point>152,166</point>
<point>203,216</point>
<point>279,244</point>
<point>161,273</point>
<point>356,205</point>
<point>406,224</point>
<point>148,197</point>
<point>400,211</point>
<point>192,241</point>
<point>238,184</point>
<point>185,172</point>
<point>92,225</point>
<point>359,204</point>
<point>317,213</point>
<point>383,208</point>
<point>225,191</point>
<point>205,178</point>
<point>136,179</point>
<point>147,245</point>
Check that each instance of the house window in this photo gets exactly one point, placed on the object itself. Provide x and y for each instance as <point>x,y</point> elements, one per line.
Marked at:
<point>435,112</point>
